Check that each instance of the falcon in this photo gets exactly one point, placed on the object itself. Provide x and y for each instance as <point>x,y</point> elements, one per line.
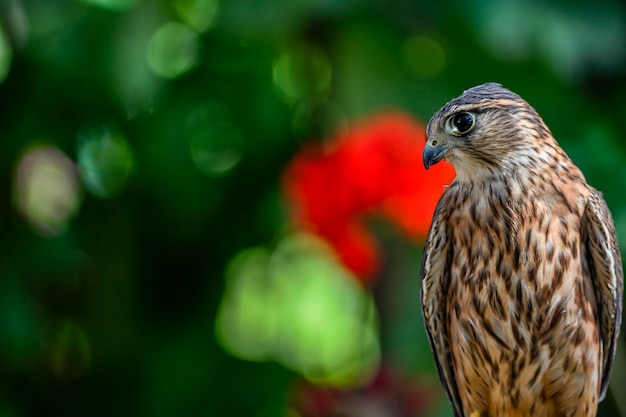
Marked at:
<point>521,279</point>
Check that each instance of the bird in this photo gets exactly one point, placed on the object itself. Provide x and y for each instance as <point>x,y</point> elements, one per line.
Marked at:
<point>521,277</point>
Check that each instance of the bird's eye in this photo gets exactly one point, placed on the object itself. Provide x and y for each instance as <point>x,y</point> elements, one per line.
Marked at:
<point>461,123</point>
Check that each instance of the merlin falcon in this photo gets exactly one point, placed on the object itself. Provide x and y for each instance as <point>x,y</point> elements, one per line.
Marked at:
<point>521,279</point>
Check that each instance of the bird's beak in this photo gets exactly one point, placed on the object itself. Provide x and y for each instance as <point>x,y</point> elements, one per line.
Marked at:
<point>434,152</point>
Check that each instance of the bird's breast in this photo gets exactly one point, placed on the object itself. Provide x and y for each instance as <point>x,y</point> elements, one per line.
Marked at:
<point>516,300</point>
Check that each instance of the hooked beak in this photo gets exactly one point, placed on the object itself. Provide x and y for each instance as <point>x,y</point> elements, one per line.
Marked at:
<point>433,154</point>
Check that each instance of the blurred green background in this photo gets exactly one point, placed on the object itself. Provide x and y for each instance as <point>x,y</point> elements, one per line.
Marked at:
<point>142,217</point>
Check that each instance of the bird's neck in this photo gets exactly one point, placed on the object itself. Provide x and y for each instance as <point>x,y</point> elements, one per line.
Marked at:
<point>521,183</point>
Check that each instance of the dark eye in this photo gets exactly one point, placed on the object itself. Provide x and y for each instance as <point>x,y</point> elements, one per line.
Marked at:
<point>461,123</point>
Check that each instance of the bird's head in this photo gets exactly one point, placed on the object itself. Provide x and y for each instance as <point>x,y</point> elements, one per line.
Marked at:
<point>486,129</point>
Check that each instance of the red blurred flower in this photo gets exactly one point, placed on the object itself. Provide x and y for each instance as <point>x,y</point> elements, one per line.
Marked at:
<point>391,393</point>
<point>374,167</point>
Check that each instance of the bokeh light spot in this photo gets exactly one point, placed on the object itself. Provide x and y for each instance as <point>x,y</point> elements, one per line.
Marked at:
<point>302,70</point>
<point>105,160</point>
<point>199,14</point>
<point>299,306</point>
<point>173,50</point>
<point>216,142</point>
<point>6,55</point>
<point>71,353</point>
<point>245,327</point>
<point>425,56</point>
<point>46,190</point>
<point>115,5</point>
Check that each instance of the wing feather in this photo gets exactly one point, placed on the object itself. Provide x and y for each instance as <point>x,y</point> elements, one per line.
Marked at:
<point>607,277</point>
<point>434,279</point>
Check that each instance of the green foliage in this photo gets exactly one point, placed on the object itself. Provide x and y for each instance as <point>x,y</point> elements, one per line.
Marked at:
<point>164,128</point>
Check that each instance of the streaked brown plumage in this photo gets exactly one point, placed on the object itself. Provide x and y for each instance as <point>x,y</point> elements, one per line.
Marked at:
<point>522,278</point>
